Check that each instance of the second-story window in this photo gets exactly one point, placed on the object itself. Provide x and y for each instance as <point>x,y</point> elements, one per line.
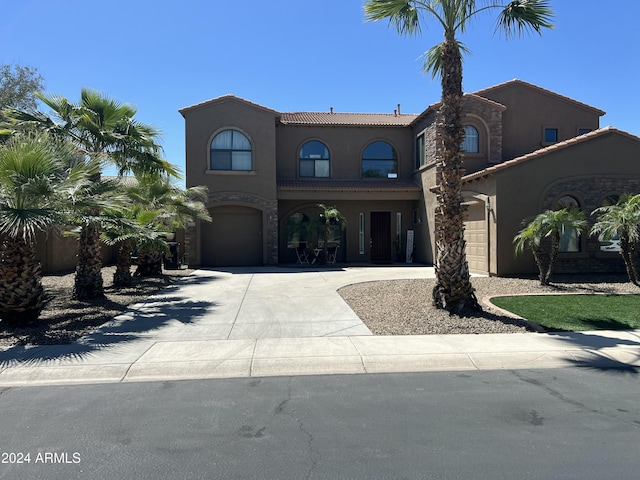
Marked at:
<point>420,151</point>
<point>471,142</point>
<point>550,135</point>
<point>380,160</point>
<point>231,150</point>
<point>314,159</point>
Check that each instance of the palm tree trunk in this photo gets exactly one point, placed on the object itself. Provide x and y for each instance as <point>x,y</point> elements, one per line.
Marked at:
<point>325,249</point>
<point>453,290</point>
<point>149,262</point>
<point>21,291</point>
<point>539,258</point>
<point>122,276</point>
<point>553,255</point>
<point>88,279</point>
<point>627,253</point>
<point>634,254</point>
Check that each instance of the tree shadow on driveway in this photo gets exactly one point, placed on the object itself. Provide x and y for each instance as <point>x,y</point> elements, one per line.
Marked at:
<point>616,352</point>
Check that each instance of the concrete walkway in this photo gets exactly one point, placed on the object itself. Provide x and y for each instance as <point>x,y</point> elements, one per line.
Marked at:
<point>275,321</point>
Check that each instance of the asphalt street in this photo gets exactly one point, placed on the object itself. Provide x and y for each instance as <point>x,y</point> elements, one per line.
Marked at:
<point>570,423</point>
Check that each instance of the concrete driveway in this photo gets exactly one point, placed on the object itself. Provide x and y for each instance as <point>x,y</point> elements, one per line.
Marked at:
<point>250,303</point>
<point>245,322</point>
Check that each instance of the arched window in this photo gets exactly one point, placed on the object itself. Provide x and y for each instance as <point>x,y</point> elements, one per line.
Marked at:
<point>471,142</point>
<point>314,159</point>
<point>570,238</point>
<point>231,150</point>
<point>380,160</point>
<point>613,244</point>
<point>298,230</point>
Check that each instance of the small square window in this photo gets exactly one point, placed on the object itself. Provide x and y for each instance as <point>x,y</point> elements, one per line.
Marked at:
<point>583,131</point>
<point>550,135</point>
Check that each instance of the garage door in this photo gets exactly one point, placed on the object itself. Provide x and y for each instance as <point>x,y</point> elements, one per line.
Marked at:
<point>233,238</point>
<point>475,234</point>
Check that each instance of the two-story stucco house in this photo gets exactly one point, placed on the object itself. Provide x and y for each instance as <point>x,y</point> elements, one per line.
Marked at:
<point>527,150</point>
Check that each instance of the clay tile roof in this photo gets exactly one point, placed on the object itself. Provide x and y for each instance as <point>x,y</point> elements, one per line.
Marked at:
<point>550,149</point>
<point>347,119</point>
<point>226,98</point>
<point>378,184</point>
<point>125,180</point>
<point>517,81</point>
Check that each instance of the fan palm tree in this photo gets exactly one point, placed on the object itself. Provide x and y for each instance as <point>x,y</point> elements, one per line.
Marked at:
<point>105,130</point>
<point>330,215</point>
<point>542,235</point>
<point>453,290</point>
<point>176,207</point>
<point>623,220</point>
<point>37,177</point>
<point>127,227</point>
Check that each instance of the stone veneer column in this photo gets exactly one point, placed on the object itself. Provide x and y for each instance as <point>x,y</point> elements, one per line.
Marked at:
<point>270,236</point>
<point>192,244</point>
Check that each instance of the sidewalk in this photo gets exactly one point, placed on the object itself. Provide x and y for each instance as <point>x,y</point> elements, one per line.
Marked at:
<point>254,322</point>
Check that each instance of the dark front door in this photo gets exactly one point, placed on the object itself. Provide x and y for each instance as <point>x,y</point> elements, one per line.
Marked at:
<point>381,236</point>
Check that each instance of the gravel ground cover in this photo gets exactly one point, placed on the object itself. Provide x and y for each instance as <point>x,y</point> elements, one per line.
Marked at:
<point>403,307</point>
<point>64,320</point>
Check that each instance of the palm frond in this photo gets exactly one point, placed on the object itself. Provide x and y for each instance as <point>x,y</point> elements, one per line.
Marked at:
<point>432,59</point>
<point>402,14</point>
<point>524,16</point>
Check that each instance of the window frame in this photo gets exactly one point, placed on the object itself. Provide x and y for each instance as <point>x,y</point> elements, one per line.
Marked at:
<point>316,161</point>
<point>607,200</point>
<point>580,237</point>
<point>550,128</point>
<point>395,161</point>
<point>477,142</point>
<point>231,152</point>
<point>421,150</point>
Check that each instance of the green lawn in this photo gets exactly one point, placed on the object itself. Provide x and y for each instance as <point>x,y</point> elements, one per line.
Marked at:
<point>576,312</point>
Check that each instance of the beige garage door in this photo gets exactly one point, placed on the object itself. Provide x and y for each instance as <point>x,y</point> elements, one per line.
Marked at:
<point>233,238</point>
<point>475,233</point>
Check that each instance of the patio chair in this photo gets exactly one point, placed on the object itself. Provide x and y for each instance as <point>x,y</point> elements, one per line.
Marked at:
<point>303,256</point>
<point>332,253</point>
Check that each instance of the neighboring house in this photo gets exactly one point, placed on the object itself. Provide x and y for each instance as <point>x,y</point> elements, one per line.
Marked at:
<point>527,150</point>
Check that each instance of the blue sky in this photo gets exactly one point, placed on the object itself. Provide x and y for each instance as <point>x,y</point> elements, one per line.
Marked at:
<point>305,55</point>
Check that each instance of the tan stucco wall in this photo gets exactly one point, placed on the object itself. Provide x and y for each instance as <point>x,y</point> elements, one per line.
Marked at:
<point>529,111</point>
<point>203,123</point>
<point>612,162</point>
<point>254,189</point>
<point>56,252</point>
<point>345,145</point>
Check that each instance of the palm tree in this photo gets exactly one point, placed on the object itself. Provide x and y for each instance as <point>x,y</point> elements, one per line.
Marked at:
<point>623,220</point>
<point>105,130</point>
<point>453,290</point>
<point>330,215</point>
<point>37,177</point>
<point>126,227</point>
<point>542,235</point>
<point>176,207</point>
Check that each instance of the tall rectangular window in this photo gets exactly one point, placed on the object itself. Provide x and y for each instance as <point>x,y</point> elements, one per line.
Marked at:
<point>420,151</point>
<point>361,233</point>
